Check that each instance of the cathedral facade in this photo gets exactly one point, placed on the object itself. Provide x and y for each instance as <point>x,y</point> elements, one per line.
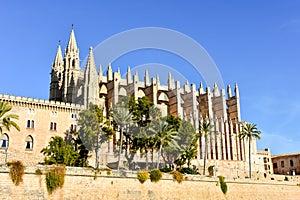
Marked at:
<point>72,89</point>
<point>70,84</point>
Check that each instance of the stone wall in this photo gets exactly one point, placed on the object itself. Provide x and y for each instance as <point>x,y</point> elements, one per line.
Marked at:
<point>80,183</point>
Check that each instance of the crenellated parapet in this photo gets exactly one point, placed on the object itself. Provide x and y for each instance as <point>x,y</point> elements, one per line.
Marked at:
<point>40,103</point>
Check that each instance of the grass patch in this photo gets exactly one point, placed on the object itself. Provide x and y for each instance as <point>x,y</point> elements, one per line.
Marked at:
<point>155,175</point>
<point>143,176</point>
<point>177,176</point>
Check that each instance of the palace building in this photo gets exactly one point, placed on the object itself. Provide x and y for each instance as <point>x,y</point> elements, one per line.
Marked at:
<point>72,89</point>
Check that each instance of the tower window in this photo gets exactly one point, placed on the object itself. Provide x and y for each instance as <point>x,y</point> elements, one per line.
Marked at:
<point>30,124</point>
<point>29,142</point>
<point>73,127</point>
<point>4,141</point>
<point>73,63</point>
<point>53,126</point>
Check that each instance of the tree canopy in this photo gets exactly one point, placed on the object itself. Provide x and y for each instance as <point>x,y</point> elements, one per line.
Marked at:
<point>59,152</point>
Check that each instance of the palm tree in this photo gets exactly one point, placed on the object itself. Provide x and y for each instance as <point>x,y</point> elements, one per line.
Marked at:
<point>165,135</point>
<point>189,153</point>
<point>204,131</point>
<point>249,131</point>
<point>5,119</point>
<point>122,117</point>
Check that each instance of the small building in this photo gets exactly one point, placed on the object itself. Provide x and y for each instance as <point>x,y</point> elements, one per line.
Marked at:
<point>264,161</point>
<point>286,164</point>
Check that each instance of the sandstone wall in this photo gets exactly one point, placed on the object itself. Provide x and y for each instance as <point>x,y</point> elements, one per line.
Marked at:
<point>80,184</point>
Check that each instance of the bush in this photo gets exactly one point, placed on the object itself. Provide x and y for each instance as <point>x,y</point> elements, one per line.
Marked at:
<point>143,176</point>
<point>177,176</point>
<point>55,178</point>
<point>187,171</point>
<point>221,178</point>
<point>223,184</point>
<point>286,178</point>
<point>224,187</point>
<point>16,171</point>
<point>155,175</point>
<point>165,169</point>
<point>211,170</point>
<point>38,172</point>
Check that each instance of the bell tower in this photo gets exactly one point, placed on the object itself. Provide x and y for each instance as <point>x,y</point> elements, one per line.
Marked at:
<point>66,75</point>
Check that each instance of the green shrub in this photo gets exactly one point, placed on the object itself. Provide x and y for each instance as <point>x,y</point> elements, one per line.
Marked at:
<point>16,171</point>
<point>55,178</point>
<point>38,172</point>
<point>155,175</point>
<point>224,187</point>
<point>165,169</point>
<point>221,178</point>
<point>211,170</point>
<point>177,176</point>
<point>286,178</point>
<point>223,184</point>
<point>143,176</point>
<point>187,170</point>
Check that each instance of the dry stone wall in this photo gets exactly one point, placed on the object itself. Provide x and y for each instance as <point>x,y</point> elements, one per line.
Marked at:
<point>81,184</point>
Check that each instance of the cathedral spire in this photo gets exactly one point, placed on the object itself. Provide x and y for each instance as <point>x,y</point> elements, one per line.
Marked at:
<point>146,78</point>
<point>216,90</point>
<point>90,65</point>
<point>109,73</point>
<point>100,73</point>
<point>72,44</point>
<point>201,89</point>
<point>229,91</point>
<point>58,60</point>
<point>56,76</point>
<point>91,87</point>
<point>129,76</point>
<point>236,91</point>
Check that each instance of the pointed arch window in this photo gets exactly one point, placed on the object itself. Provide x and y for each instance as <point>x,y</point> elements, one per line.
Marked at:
<point>73,63</point>
<point>4,141</point>
<point>29,142</point>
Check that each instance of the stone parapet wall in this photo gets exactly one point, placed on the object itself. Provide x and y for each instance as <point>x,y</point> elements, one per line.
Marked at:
<point>39,102</point>
<point>80,183</point>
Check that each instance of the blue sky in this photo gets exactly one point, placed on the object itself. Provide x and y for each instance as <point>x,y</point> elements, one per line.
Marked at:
<point>254,43</point>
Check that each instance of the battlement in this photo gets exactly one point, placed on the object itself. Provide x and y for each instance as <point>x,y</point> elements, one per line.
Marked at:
<point>39,102</point>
